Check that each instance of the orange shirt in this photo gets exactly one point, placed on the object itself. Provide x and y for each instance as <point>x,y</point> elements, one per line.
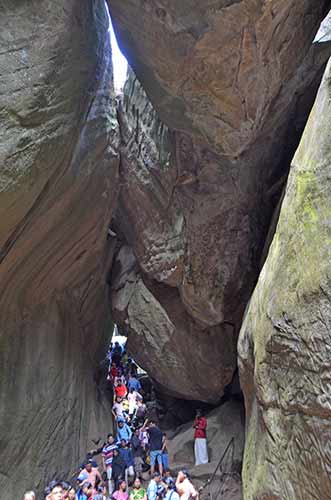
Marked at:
<point>121,390</point>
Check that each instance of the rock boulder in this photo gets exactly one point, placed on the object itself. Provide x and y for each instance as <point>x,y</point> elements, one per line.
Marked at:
<point>58,174</point>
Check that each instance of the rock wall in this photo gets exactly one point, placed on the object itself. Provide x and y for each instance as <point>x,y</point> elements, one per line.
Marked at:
<point>197,198</point>
<point>58,181</point>
<point>285,340</point>
<point>204,158</point>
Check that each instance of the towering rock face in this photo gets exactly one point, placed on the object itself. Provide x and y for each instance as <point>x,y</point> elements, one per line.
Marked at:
<point>196,199</point>
<point>225,70</point>
<point>58,174</point>
<point>285,340</point>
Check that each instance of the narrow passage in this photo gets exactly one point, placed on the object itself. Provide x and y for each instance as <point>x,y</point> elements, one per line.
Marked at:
<point>133,461</point>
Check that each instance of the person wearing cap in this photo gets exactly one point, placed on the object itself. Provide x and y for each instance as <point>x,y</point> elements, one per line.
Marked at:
<point>200,439</point>
<point>184,487</point>
<point>153,485</point>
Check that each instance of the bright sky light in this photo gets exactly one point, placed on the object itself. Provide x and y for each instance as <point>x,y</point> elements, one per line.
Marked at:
<point>324,33</point>
<point>119,62</point>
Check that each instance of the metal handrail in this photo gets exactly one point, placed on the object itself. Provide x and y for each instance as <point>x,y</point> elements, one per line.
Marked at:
<point>212,477</point>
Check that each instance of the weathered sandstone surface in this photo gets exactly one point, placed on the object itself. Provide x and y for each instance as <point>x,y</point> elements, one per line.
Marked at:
<point>234,82</point>
<point>58,171</point>
<point>205,145</point>
<point>224,69</point>
<point>285,340</point>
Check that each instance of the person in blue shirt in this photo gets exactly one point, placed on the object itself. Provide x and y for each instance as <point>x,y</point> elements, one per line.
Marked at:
<point>153,486</point>
<point>123,431</point>
<point>127,457</point>
<point>134,384</point>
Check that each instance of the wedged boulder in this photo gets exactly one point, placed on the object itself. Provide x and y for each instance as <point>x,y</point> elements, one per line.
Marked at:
<point>204,159</point>
<point>219,69</point>
<point>158,329</point>
<point>170,270</point>
<point>196,225</point>
<point>58,184</point>
<point>284,346</point>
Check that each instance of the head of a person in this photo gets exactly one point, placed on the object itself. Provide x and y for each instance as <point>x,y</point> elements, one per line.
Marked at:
<point>102,489</point>
<point>117,344</point>
<point>119,382</point>
<point>29,495</point>
<point>119,400</point>
<point>120,424</point>
<point>170,483</point>
<point>167,473</point>
<point>156,476</point>
<point>88,466</point>
<point>115,452</point>
<point>122,486</point>
<point>136,432</point>
<point>56,490</point>
<point>137,483</point>
<point>87,489</point>
<point>66,488</point>
<point>113,364</point>
<point>183,474</point>
<point>123,443</point>
<point>110,439</point>
<point>47,493</point>
<point>152,423</point>
<point>72,494</point>
<point>199,413</point>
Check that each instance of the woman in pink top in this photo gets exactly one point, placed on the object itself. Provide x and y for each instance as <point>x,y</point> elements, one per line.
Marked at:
<point>121,493</point>
<point>185,488</point>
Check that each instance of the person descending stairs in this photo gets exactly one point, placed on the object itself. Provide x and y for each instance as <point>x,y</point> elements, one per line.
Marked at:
<point>137,447</point>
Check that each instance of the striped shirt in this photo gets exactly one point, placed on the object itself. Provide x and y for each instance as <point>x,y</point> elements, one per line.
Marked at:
<point>108,452</point>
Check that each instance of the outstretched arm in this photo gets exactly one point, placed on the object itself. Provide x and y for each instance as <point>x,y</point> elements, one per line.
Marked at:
<point>144,427</point>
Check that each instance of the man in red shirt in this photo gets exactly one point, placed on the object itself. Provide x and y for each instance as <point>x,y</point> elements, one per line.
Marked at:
<point>120,390</point>
<point>200,439</point>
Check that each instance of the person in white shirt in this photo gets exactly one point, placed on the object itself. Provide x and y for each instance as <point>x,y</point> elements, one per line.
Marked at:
<point>29,495</point>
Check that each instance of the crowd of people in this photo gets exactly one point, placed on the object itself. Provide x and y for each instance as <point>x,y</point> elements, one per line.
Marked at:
<point>132,456</point>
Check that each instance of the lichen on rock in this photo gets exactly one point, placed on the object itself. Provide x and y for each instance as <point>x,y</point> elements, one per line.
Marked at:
<point>285,338</point>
